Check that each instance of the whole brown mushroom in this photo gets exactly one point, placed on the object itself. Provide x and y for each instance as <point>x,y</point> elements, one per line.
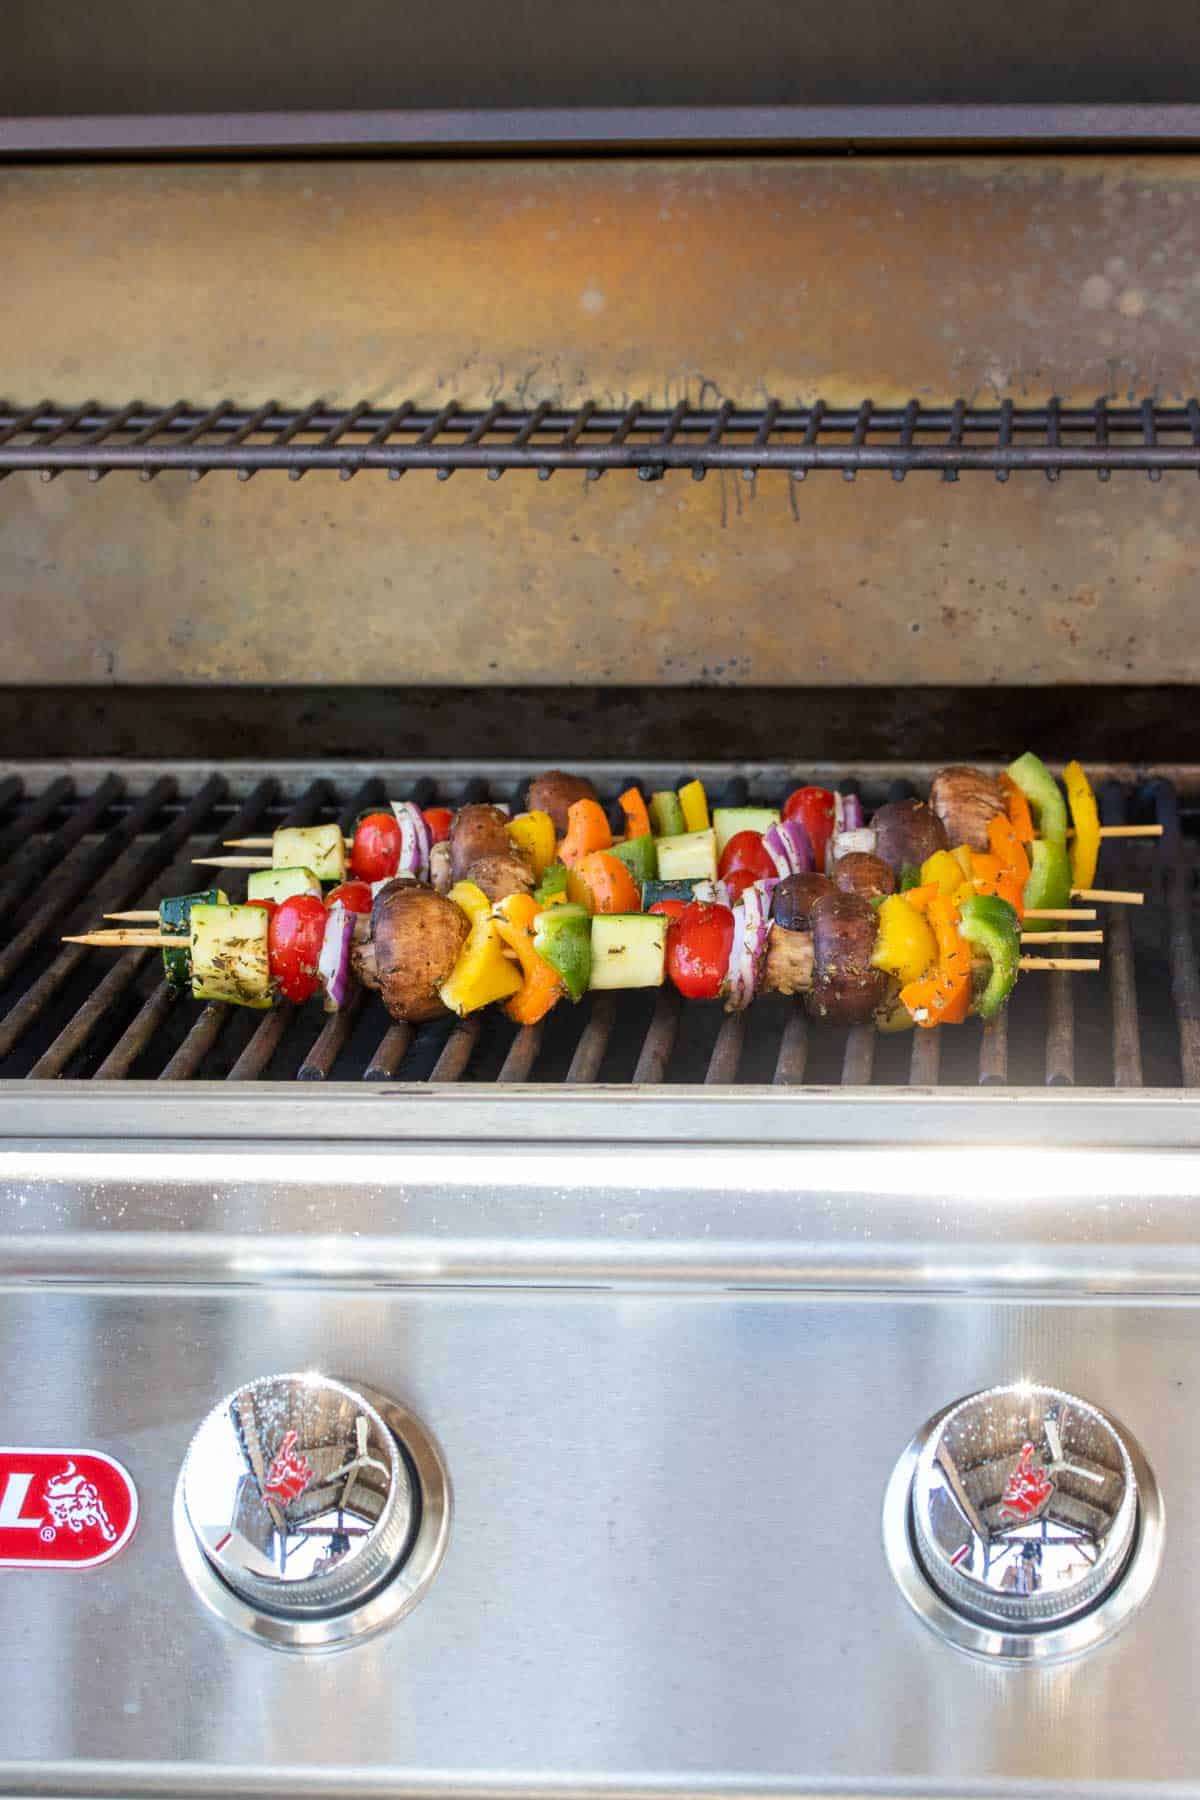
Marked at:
<point>907,833</point>
<point>966,800</point>
<point>794,898</point>
<point>845,988</point>
<point>860,873</point>
<point>408,948</point>
<point>555,793</point>
<point>478,830</point>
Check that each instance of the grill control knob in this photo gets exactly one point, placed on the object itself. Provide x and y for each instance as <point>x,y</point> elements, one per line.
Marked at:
<point>1023,1522</point>
<point>308,1511</point>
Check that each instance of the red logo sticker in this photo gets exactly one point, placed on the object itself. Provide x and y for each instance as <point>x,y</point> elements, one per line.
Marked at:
<point>64,1509</point>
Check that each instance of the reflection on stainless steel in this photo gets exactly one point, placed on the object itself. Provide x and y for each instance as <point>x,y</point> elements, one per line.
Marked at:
<point>1024,1505</point>
<point>309,1513</point>
<point>1013,1520</point>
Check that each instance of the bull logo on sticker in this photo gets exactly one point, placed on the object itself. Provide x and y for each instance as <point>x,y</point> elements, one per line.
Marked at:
<point>63,1508</point>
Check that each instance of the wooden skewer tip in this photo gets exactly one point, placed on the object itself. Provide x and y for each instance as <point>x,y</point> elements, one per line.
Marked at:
<point>1062,937</point>
<point>1079,913</point>
<point>1110,896</point>
<point>1068,964</point>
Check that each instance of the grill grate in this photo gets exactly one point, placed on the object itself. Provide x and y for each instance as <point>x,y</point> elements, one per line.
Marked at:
<point>946,439</point>
<point>76,845</point>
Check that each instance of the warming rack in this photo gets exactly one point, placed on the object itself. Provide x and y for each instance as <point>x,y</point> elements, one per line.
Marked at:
<point>945,438</point>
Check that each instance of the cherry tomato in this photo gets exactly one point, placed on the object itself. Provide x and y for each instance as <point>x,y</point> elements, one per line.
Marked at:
<point>698,946</point>
<point>375,853</point>
<point>439,820</point>
<point>670,908</point>
<point>814,808</point>
<point>738,880</point>
<point>268,906</point>
<point>294,939</point>
<point>355,896</point>
<point>745,851</point>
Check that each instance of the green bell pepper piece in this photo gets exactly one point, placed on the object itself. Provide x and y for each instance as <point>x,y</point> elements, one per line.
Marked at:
<point>554,881</point>
<point>562,937</point>
<point>666,814</point>
<point>910,877</point>
<point>1049,882</point>
<point>639,856</point>
<point>991,925</point>
<point>175,916</point>
<point>1043,794</point>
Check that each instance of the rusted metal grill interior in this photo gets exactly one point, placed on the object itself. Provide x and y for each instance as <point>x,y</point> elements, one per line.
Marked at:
<point>1150,436</point>
<point>78,842</point>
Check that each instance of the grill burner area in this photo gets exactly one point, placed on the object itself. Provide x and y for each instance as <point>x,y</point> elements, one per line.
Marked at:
<point>78,843</point>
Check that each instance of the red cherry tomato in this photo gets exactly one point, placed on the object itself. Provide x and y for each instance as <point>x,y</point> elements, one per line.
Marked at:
<point>670,909</point>
<point>814,808</point>
<point>294,939</point>
<point>268,906</point>
<point>439,820</point>
<point>738,880</point>
<point>745,851</point>
<point>355,896</point>
<point>698,946</point>
<point>375,853</point>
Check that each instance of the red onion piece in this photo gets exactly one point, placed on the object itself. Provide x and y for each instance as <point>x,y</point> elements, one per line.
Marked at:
<point>751,925</point>
<point>333,965</point>
<point>416,839</point>
<point>853,817</point>
<point>847,843</point>
<point>789,847</point>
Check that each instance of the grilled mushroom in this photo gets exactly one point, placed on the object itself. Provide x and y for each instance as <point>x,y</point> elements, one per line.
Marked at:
<point>441,867</point>
<point>500,876</point>
<point>907,832</point>
<point>789,965</point>
<point>408,948</point>
<point>555,793</point>
<point>845,989</point>
<point>794,898</point>
<point>478,831</point>
<point>859,873</point>
<point>965,800</point>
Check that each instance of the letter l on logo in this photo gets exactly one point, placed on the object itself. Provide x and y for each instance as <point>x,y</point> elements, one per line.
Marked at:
<point>11,1502</point>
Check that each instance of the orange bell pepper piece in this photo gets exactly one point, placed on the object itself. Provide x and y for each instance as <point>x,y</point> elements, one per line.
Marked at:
<point>587,830</point>
<point>1018,809</point>
<point>542,986</point>
<point>942,998</point>
<point>637,819</point>
<point>609,883</point>
<point>1005,840</point>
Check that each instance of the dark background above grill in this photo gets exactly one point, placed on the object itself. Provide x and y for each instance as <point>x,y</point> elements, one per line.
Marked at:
<point>77,846</point>
<point>722,722</point>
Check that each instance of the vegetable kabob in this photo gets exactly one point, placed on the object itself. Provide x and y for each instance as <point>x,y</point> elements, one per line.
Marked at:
<point>412,946</point>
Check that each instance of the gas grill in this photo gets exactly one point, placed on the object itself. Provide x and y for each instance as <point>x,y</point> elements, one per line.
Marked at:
<point>653,1401</point>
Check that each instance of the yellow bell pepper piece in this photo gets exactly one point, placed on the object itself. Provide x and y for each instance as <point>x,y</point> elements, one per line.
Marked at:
<point>694,802</point>
<point>1085,845</point>
<point>483,972</point>
<point>943,871</point>
<point>533,834</point>
<point>904,944</point>
<point>962,856</point>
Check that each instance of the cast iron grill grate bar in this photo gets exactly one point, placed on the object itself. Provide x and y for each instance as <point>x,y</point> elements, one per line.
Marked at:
<point>947,439</point>
<point>78,846</point>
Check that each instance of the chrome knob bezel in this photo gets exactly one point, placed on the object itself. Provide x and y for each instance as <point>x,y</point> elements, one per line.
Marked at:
<point>1040,1640</point>
<point>391,1593</point>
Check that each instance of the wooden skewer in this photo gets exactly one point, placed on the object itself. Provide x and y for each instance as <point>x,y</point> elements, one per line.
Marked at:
<point>128,939</point>
<point>235,862</point>
<point>262,843</point>
<point>1035,964</point>
<point>1134,831</point>
<point>1062,937</point>
<point>1080,913</point>
<point>1110,896</point>
<point>139,916</point>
